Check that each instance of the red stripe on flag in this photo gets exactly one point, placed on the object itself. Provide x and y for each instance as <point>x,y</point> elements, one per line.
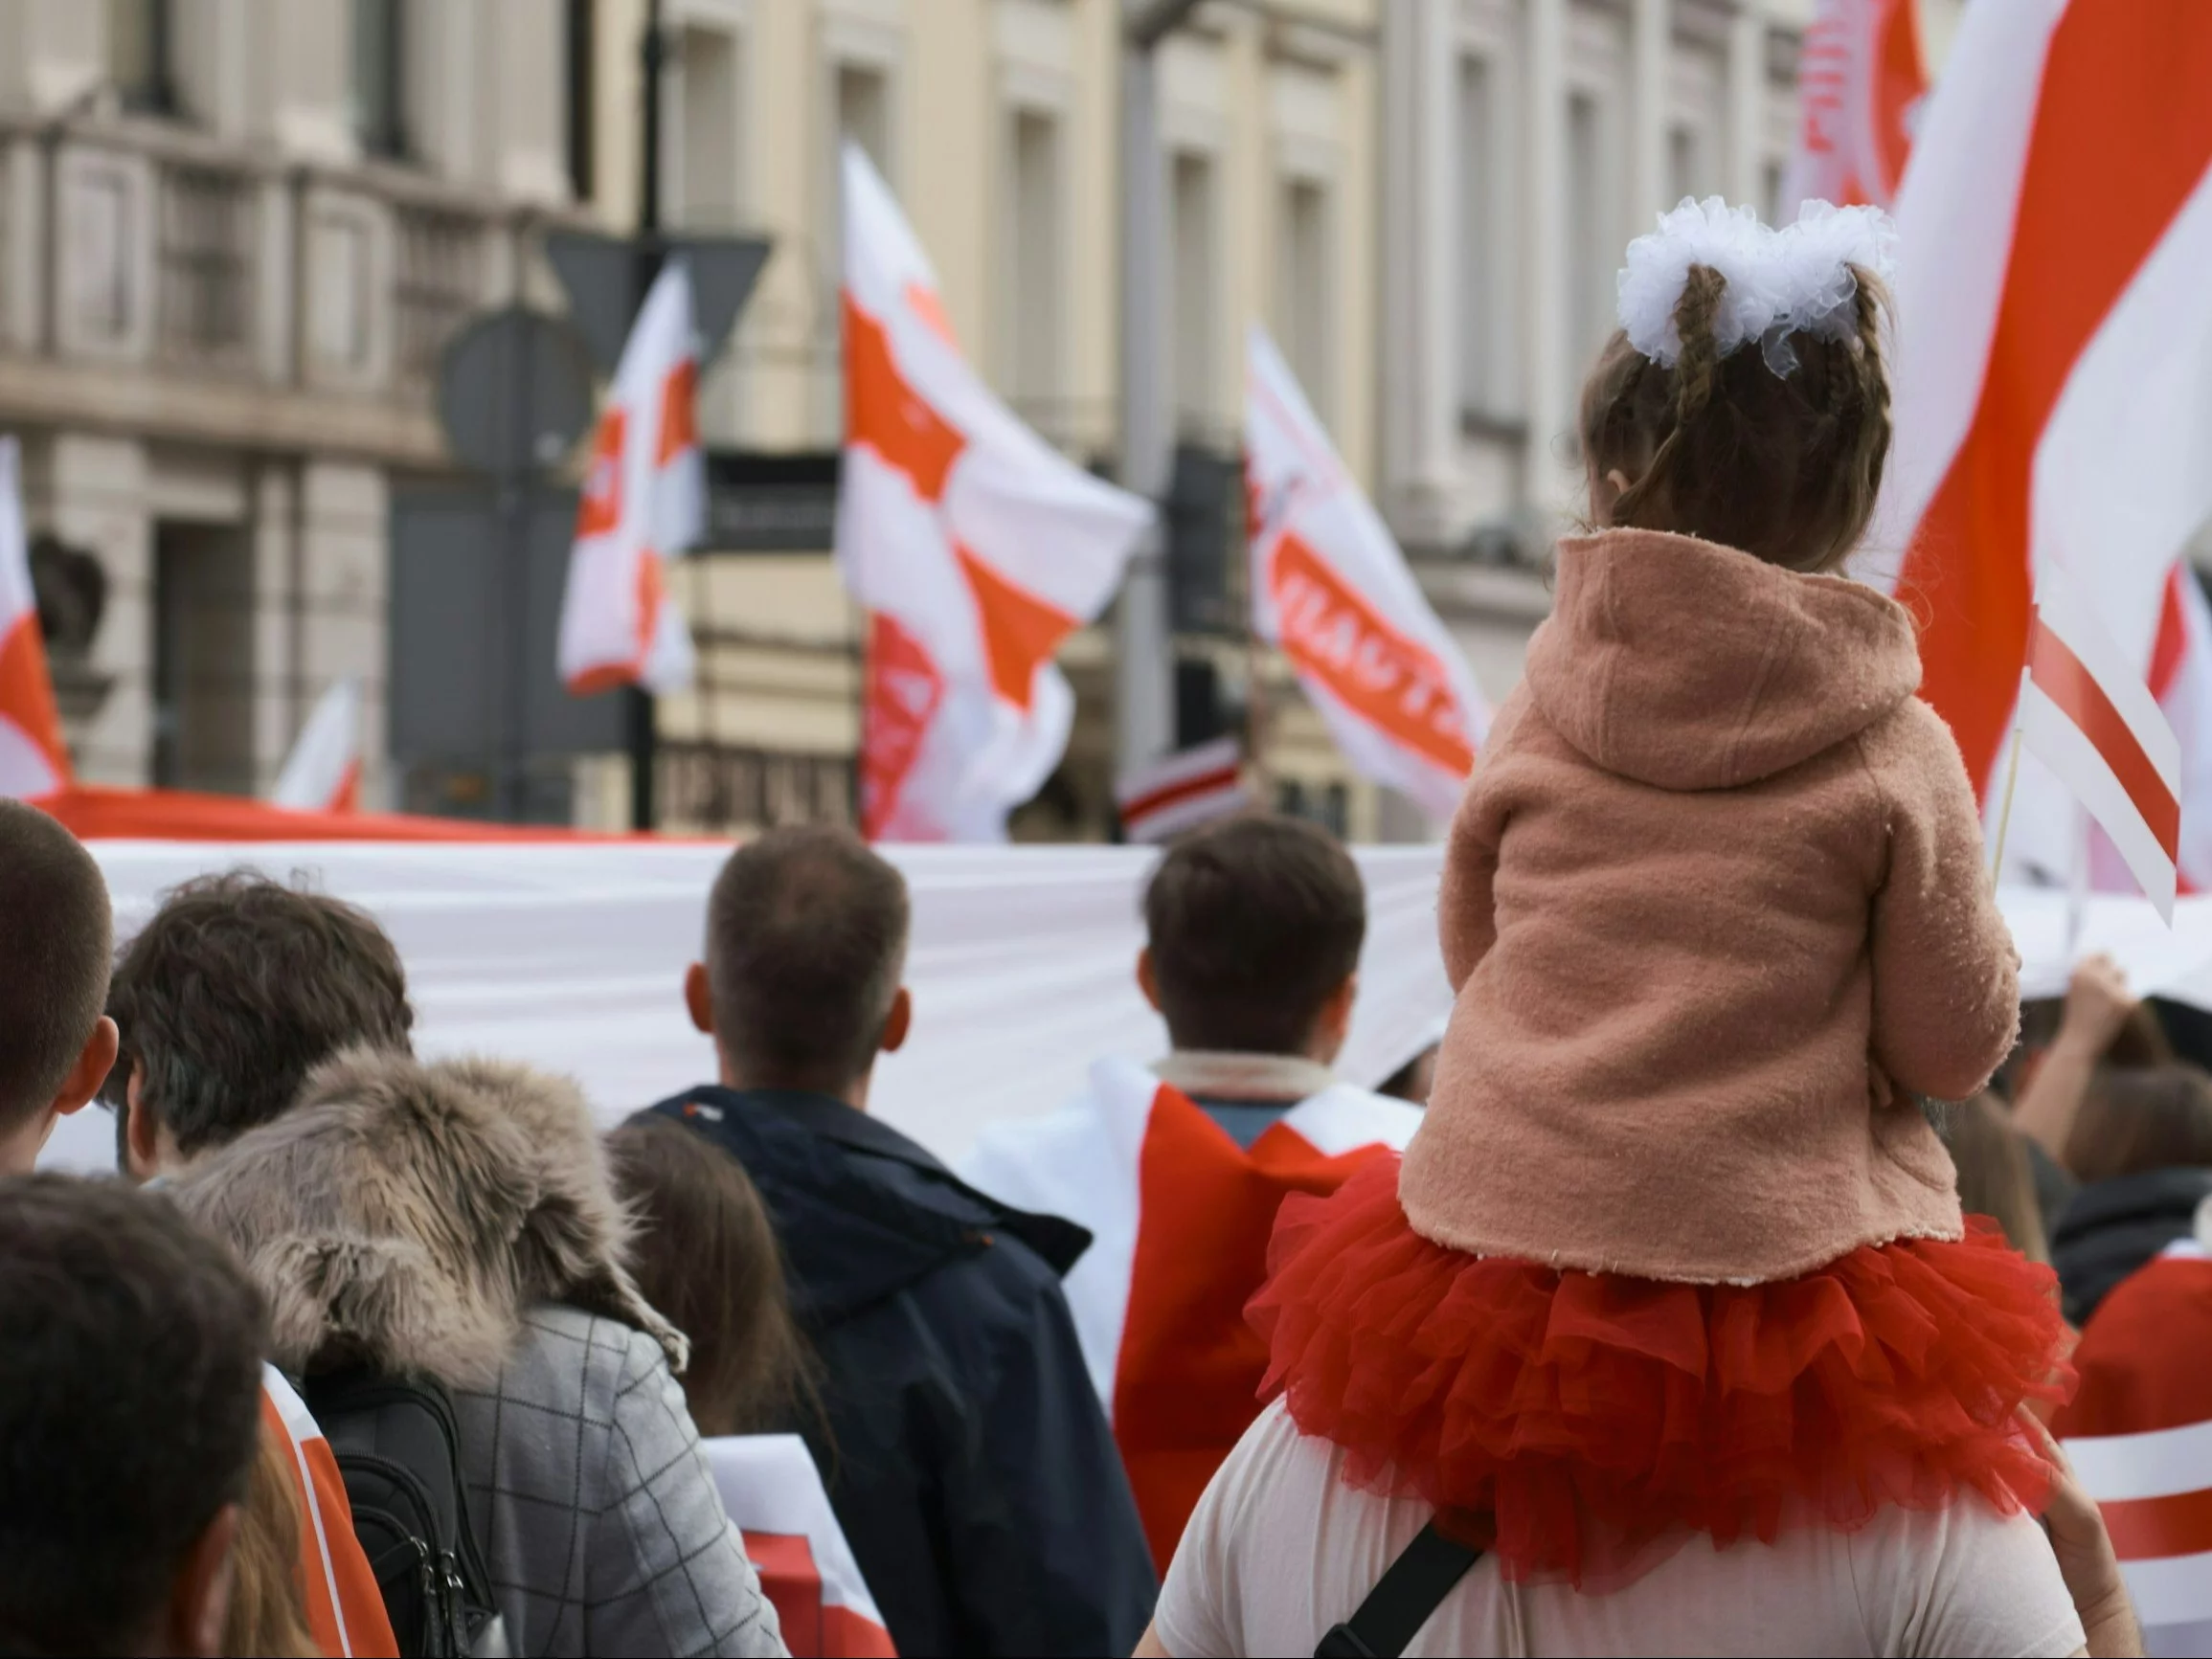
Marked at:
<point>2172,647</point>
<point>2123,134</point>
<point>2149,1529</point>
<point>2062,677</point>
<point>1173,793</point>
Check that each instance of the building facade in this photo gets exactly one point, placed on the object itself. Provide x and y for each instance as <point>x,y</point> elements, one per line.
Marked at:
<point>235,235</point>
<point>995,123</point>
<point>1526,141</point>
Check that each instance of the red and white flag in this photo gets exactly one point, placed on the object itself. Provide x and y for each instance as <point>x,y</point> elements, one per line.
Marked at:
<point>1163,799</point>
<point>2054,341</point>
<point>1861,79</point>
<point>2086,712</point>
<point>34,761</point>
<point>644,501</point>
<point>343,1605</point>
<point>774,1492</point>
<point>1331,588</point>
<point>1180,1216</point>
<point>322,772</point>
<point>2139,1435</point>
<point>974,548</point>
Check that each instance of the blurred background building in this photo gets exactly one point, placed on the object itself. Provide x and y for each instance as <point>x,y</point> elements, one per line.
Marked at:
<point>236,234</point>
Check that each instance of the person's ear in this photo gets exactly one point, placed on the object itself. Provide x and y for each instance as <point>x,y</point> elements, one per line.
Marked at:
<point>1148,978</point>
<point>1333,1023</point>
<point>898,1023</point>
<point>91,1069</point>
<point>699,999</point>
<point>199,1596</point>
<point>140,1129</point>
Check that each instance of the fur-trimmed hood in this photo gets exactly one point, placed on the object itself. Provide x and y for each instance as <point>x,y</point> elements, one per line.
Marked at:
<point>403,1214</point>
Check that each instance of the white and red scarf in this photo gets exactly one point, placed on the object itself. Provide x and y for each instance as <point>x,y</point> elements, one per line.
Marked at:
<point>775,1494</point>
<point>1180,1216</point>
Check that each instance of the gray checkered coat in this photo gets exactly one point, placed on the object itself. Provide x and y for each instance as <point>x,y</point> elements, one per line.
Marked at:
<point>456,1220</point>
<point>599,1515</point>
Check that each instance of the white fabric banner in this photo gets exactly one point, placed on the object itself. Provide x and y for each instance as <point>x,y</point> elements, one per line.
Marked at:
<point>32,761</point>
<point>974,545</point>
<point>1023,966</point>
<point>644,501</point>
<point>1331,588</point>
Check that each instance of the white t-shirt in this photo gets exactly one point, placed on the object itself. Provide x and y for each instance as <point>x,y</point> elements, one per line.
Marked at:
<point>1280,1549</point>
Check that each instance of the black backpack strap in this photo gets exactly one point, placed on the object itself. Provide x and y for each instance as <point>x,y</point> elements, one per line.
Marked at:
<point>1397,1608</point>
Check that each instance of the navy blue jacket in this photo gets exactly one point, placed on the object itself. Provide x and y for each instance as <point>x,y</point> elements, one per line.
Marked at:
<point>966,1454</point>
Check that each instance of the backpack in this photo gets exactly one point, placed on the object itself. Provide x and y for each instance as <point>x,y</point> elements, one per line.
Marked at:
<point>397,1446</point>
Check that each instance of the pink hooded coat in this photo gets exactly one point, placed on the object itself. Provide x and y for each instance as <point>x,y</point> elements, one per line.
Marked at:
<point>1715,911</point>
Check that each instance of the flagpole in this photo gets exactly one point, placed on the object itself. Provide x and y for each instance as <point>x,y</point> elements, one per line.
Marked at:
<point>2078,886</point>
<point>2004,810</point>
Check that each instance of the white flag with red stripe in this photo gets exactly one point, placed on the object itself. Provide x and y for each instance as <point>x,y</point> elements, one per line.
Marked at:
<point>774,1493</point>
<point>322,772</point>
<point>974,546</point>
<point>645,501</point>
<point>1168,1196</point>
<point>2139,1435</point>
<point>1165,799</point>
<point>1331,588</point>
<point>34,761</point>
<point>1860,78</point>
<point>2089,715</point>
<point>2054,343</point>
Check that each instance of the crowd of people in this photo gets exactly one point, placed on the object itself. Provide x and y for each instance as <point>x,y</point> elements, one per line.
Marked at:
<point>1730,1290</point>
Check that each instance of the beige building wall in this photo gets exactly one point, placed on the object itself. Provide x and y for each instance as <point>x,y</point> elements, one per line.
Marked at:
<point>221,314</point>
<point>996,122</point>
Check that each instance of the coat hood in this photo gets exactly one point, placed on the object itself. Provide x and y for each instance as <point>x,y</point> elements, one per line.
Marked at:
<point>403,1216</point>
<point>1688,666</point>
<point>863,1212</point>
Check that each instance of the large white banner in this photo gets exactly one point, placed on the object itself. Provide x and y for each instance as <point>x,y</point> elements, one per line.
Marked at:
<point>975,547</point>
<point>1330,587</point>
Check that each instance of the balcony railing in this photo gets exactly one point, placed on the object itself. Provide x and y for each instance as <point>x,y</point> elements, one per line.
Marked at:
<point>143,245</point>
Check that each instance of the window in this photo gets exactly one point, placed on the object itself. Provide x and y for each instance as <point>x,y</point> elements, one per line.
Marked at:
<point>1302,303</point>
<point>1192,294</point>
<point>1479,249</point>
<point>1591,252</point>
<point>140,61</point>
<point>708,179</point>
<point>1033,270</point>
<point>203,656</point>
<point>379,76</point>
<point>864,113</point>
<point>583,88</point>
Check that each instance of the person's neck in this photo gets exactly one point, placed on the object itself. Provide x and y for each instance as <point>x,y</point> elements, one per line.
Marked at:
<point>853,1094</point>
<point>1242,1075</point>
<point>19,1146</point>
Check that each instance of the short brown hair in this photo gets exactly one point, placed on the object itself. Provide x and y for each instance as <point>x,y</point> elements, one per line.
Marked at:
<point>235,990</point>
<point>704,1255</point>
<point>806,934</point>
<point>57,937</point>
<point>1785,467</point>
<point>132,1412</point>
<point>1253,923</point>
<point>2141,1118</point>
<point>1994,1177</point>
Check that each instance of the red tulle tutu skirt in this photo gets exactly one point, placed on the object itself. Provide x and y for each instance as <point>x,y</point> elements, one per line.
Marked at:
<point>1574,1422</point>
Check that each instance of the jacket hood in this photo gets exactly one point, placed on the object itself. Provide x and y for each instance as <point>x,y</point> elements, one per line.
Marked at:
<point>863,1212</point>
<point>402,1216</point>
<point>1688,666</point>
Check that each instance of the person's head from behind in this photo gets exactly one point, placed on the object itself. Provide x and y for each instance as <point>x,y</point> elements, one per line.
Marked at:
<point>57,1045</point>
<point>235,990</point>
<point>1994,1179</point>
<point>1716,443</point>
<point>806,937</point>
<point>704,1252</point>
<point>128,1424</point>
<point>2142,1118</point>
<point>1253,934</point>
